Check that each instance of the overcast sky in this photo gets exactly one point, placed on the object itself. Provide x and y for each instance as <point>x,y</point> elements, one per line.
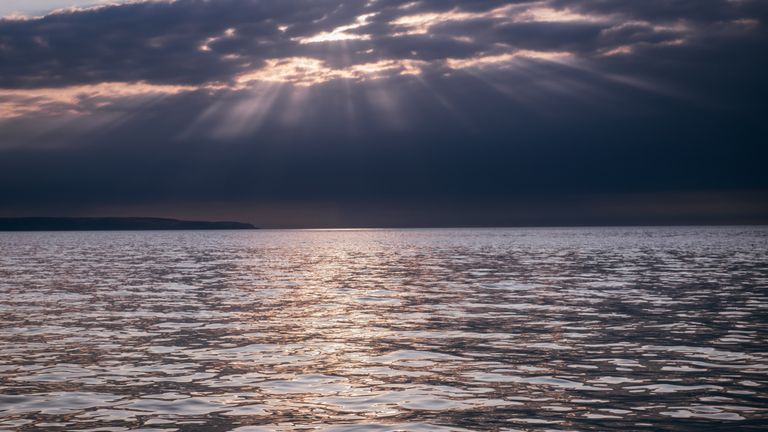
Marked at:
<point>386,112</point>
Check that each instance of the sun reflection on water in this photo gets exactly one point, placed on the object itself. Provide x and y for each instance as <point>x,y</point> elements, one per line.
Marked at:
<point>384,330</point>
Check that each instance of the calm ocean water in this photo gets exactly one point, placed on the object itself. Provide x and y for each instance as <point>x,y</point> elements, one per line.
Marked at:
<point>419,330</point>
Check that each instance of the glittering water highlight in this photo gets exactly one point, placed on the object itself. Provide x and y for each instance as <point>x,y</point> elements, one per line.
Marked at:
<point>385,330</point>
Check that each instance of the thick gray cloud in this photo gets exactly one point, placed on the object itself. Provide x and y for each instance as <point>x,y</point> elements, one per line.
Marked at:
<point>506,107</point>
<point>161,42</point>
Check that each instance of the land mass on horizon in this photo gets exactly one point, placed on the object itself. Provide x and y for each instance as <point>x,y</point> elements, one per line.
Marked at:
<point>113,224</point>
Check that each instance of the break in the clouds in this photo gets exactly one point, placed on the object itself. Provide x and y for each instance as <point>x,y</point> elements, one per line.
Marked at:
<point>33,8</point>
<point>389,100</point>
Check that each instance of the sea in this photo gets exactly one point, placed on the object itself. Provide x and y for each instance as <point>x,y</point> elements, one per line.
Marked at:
<point>535,329</point>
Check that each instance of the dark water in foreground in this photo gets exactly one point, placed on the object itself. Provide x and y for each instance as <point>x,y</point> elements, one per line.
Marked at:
<point>420,330</point>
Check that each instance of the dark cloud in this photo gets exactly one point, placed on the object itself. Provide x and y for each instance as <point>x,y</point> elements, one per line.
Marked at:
<point>160,42</point>
<point>676,113</point>
<point>668,11</point>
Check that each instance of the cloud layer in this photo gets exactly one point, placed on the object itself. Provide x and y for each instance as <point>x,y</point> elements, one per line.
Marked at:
<point>198,42</point>
<point>380,101</point>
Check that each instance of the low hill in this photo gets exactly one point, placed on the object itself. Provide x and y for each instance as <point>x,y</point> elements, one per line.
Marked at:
<point>113,224</point>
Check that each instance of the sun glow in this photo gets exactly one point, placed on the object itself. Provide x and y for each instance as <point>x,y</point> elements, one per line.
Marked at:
<point>340,33</point>
<point>14,103</point>
<point>307,71</point>
<point>423,23</point>
<point>554,15</point>
<point>228,33</point>
<point>492,60</point>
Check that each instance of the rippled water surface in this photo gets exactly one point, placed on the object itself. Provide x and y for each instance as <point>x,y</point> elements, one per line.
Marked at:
<point>420,330</point>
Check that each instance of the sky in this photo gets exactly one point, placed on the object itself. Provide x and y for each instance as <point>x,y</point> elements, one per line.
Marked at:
<point>386,113</point>
<point>33,8</point>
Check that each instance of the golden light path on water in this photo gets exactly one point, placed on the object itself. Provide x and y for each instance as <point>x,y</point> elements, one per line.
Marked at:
<point>418,330</point>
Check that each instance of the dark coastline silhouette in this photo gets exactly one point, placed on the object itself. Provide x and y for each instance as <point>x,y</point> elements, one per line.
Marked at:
<point>113,224</point>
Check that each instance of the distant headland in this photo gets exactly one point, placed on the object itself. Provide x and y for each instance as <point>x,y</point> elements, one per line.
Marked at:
<point>113,224</point>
